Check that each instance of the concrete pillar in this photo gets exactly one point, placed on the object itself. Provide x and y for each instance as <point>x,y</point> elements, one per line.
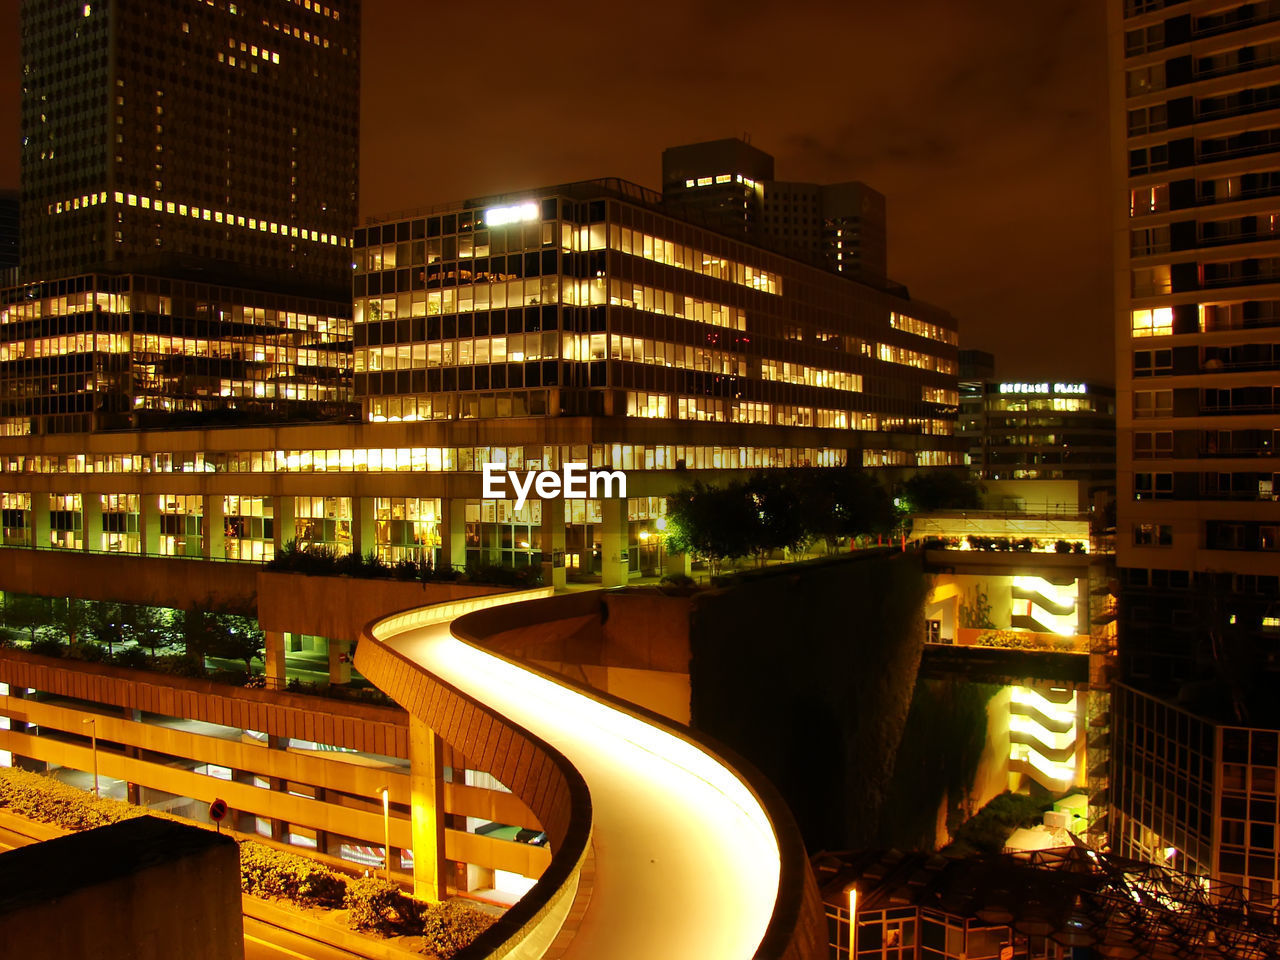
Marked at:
<point>551,534</point>
<point>131,791</point>
<point>677,564</point>
<point>279,828</point>
<point>453,534</point>
<point>149,524</point>
<point>40,520</point>
<point>339,661</point>
<point>1083,625</point>
<point>426,788</point>
<point>91,521</point>
<point>614,542</point>
<point>274,668</point>
<point>364,530</point>
<point>215,527</point>
<point>282,521</point>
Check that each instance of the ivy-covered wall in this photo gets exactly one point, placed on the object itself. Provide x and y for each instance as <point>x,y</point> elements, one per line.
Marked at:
<point>808,672</point>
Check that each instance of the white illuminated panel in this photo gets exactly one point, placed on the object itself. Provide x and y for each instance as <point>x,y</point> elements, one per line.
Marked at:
<point>1044,387</point>
<point>497,216</point>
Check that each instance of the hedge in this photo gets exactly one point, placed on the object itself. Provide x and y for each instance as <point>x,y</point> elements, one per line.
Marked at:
<point>375,904</point>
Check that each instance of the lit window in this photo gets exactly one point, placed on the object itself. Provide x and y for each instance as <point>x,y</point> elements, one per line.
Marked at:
<point>1153,323</point>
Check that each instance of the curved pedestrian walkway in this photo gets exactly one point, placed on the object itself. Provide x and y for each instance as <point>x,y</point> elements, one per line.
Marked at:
<point>688,862</point>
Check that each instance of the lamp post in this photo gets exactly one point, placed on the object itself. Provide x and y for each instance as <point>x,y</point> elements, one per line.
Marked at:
<point>93,743</point>
<point>386,833</point>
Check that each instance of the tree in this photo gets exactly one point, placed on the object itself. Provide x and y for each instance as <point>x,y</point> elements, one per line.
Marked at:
<point>778,523</point>
<point>232,637</point>
<point>940,489</point>
<point>149,627</point>
<point>843,504</point>
<point>70,618</point>
<point>25,612</point>
<point>106,625</point>
<point>711,522</point>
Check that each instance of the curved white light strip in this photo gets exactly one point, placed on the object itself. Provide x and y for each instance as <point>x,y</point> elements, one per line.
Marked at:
<point>687,862</point>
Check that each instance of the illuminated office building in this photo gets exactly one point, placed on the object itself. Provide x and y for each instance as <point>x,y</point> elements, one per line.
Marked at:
<point>187,207</point>
<point>589,300</point>
<point>1195,136</point>
<point>1041,430</point>
<point>575,324</point>
<point>841,226</point>
<point>213,140</point>
<point>114,351</point>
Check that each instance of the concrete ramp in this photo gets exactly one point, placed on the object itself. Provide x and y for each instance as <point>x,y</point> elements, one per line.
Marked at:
<point>692,858</point>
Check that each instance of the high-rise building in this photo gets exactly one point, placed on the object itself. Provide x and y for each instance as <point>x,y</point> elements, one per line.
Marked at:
<point>8,237</point>
<point>841,226</point>
<point>1040,430</point>
<point>1196,147</point>
<point>188,199</point>
<point>215,141</point>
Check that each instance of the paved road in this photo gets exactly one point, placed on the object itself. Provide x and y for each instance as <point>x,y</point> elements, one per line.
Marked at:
<point>687,864</point>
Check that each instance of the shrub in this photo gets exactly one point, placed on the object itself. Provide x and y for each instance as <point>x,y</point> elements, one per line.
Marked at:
<point>184,666</point>
<point>133,657</point>
<point>46,800</point>
<point>47,647</point>
<point>988,829</point>
<point>451,926</point>
<point>1062,546</point>
<point>378,905</point>
<point>268,872</point>
<point>231,676</point>
<point>529,576</point>
<point>89,653</point>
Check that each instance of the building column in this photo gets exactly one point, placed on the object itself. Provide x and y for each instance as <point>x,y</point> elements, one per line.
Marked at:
<point>453,534</point>
<point>215,527</point>
<point>40,520</point>
<point>677,565</point>
<point>614,542</point>
<point>132,793</point>
<point>91,521</point>
<point>273,657</point>
<point>279,828</point>
<point>282,528</point>
<point>551,534</point>
<point>149,524</point>
<point>339,661</point>
<point>364,531</point>
<point>426,789</point>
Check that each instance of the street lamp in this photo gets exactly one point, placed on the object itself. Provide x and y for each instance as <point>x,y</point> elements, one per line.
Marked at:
<point>386,833</point>
<point>93,741</point>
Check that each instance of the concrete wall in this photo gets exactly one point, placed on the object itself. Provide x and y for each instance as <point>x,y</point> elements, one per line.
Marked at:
<point>141,889</point>
<point>156,581</point>
<point>340,607</point>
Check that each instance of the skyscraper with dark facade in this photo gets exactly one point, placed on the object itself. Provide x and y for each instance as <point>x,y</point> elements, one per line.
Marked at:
<point>212,140</point>
<point>8,236</point>
<point>1196,147</point>
<point>189,177</point>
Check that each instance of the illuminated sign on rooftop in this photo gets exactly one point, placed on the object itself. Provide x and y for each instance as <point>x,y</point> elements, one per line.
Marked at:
<point>1043,387</point>
<point>497,216</point>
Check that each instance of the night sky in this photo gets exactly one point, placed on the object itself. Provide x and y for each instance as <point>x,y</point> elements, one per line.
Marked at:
<point>983,123</point>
